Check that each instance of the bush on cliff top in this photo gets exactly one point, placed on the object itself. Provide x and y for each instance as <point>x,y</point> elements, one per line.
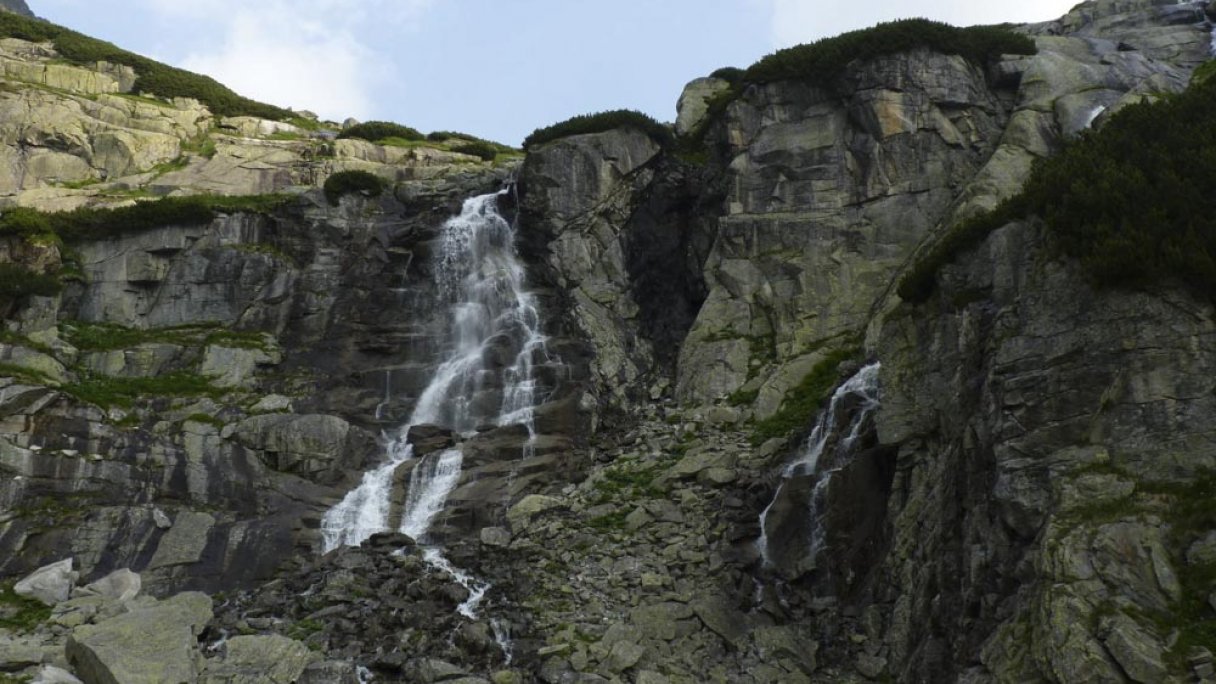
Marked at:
<point>823,60</point>
<point>375,131</point>
<point>1131,201</point>
<point>599,123</point>
<point>153,77</point>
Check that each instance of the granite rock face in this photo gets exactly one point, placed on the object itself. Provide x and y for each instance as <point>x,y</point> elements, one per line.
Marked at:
<point>1027,499</point>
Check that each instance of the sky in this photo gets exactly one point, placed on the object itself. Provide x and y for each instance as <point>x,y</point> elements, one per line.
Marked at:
<point>495,68</point>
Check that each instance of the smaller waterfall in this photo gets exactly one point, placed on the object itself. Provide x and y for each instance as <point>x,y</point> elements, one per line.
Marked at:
<point>477,589</point>
<point>827,434</point>
<point>1093,116</point>
<point>430,483</point>
<point>365,509</point>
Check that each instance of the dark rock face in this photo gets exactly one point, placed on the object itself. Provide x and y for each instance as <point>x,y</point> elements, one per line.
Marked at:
<point>16,6</point>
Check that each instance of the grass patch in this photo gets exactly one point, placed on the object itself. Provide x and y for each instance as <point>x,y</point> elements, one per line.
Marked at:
<point>619,484</point>
<point>108,336</point>
<point>599,123</point>
<point>743,398</point>
<point>205,419</point>
<point>152,76</point>
<point>34,377</point>
<point>612,522</point>
<point>803,400</point>
<point>18,613</point>
<point>107,391</point>
<point>345,182</point>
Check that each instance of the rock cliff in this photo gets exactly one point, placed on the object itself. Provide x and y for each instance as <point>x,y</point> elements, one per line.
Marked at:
<point>1021,492</point>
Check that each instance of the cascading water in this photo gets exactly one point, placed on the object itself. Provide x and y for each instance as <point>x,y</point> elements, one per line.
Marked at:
<point>486,376</point>
<point>828,433</point>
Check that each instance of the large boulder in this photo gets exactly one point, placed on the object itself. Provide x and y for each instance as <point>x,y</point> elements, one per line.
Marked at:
<point>311,445</point>
<point>270,659</point>
<point>50,584</point>
<point>155,644</point>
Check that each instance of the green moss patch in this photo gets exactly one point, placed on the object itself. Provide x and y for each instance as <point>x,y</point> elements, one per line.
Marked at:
<point>18,613</point>
<point>804,399</point>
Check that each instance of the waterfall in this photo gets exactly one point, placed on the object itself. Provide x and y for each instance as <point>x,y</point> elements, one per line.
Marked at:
<point>827,433</point>
<point>486,375</point>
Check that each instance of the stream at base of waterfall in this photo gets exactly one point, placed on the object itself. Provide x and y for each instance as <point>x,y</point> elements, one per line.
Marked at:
<point>481,283</point>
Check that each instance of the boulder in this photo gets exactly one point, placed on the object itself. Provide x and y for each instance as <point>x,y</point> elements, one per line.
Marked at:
<point>521,514</point>
<point>693,105</point>
<point>50,584</point>
<point>120,585</point>
<point>310,445</point>
<point>154,644</point>
<point>49,674</point>
<point>428,438</point>
<point>17,653</point>
<point>270,659</point>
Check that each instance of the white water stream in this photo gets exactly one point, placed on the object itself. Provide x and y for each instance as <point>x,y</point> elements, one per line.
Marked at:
<point>864,385</point>
<point>485,378</point>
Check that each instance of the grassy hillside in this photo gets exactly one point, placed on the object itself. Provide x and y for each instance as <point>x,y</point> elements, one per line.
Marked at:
<point>153,77</point>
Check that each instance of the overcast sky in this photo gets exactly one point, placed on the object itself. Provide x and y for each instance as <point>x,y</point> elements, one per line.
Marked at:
<point>494,68</point>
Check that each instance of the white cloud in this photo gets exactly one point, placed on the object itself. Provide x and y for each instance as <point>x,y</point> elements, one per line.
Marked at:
<point>305,54</point>
<point>802,21</point>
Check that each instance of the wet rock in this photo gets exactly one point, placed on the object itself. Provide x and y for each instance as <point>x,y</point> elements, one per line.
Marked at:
<point>429,438</point>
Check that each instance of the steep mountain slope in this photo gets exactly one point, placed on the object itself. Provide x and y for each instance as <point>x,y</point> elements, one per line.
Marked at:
<point>1012,485</point>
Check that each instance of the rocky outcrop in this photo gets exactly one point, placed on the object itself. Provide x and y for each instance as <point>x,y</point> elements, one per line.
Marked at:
<point>614,227</point>
<point>78,135</point>
<point>17,6</point>
<point>1048,416</point>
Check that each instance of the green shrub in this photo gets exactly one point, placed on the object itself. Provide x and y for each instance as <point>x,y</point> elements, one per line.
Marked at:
<point>820,62</point>
<point>94,223</point>
<point>106,391</point>
<point>375,131</point>
<point>17,282</point>
<point>24,222</point>
<point>152,76</point>
<point>481,149</point>
<point>346,182</point>
<point>732,74</point>
<point>1131,201</point>
<point>919,282</point>
<point>444,136</point>
<point>599,123</point>
<point>803,400</point>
